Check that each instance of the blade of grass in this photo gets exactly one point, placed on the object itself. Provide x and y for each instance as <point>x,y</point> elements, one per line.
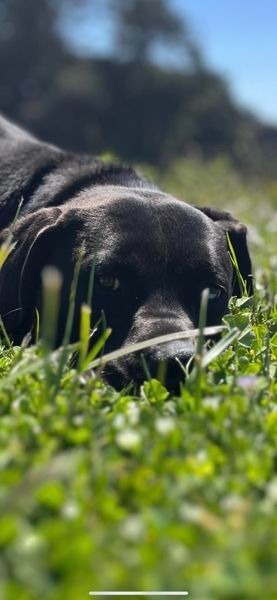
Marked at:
<point>162,371</point>
<point>5,334</point>
<point>72,301</point>
<point>202,322</point>
<point>68,326</point>
<point>145,367</point>
<point>98,346</point>
<point>37,325</point>
<point>179,335</point>
<point>91,280</point>
<point>200,342</point>
<point>51,291</point>
<point>233,258</point>
<point>8,245</point>
<point>220,347</point>
<point>84,334</point>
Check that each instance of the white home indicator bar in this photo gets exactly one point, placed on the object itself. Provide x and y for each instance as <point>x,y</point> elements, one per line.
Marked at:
<point>172,593</point>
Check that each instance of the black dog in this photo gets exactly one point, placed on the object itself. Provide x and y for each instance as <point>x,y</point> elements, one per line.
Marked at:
<point>155,254</point>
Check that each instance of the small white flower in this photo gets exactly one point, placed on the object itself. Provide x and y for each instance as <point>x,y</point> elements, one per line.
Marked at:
<point>70,510</point>
<point>119,421</point>
<point>271,226</point>
<point>271,490</point>
<point>254,236</point>
<point>201,456</point>
<point>273,261</point>
<point>132,528</point>
<point>178,553</point>
<point>31,543</point>
<point>189,512</point>
<point>133,413</point>
<point>78,420</point>
<point>232,502</point>
<point>212,402</point>
<point>164,425</point>
<point>128,439</point>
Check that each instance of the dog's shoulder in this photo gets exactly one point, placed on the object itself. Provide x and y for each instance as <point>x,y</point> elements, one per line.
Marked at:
<point>42,175</point>
<point>24,161</point>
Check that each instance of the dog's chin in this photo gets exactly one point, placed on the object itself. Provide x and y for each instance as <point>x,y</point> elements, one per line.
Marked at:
<point>132,376</point>
<point>120,375</point>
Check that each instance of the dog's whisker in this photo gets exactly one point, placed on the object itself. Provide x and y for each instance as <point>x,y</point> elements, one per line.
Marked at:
<point>10,312</point>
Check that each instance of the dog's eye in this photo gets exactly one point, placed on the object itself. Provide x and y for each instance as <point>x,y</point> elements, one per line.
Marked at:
<point>109,281</point>
<point>215,292</point>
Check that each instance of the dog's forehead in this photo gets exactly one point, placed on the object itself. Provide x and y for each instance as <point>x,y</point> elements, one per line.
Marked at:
<point>151,208</point>
<point>153,211</point>
<point>136,224</point>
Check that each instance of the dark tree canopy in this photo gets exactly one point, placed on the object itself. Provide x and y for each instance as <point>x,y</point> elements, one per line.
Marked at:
<point>143,26</point>
<point>133,101</point>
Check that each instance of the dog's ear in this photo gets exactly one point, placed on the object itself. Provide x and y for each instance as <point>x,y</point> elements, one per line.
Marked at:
<point>237,234</point>
<point>20,273</point>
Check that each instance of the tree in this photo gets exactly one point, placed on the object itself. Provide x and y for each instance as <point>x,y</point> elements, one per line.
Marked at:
<point>31,53</point>
<point>132,101</point>
<point>144,26</point>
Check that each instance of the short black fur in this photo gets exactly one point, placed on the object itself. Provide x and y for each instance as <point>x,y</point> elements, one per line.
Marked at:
<point>154,253</point>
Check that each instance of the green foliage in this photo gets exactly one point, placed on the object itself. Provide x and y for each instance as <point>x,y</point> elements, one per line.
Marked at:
<point>102,490</point>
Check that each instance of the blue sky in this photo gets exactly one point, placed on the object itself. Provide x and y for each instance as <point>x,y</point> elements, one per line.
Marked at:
<point>238,39</point>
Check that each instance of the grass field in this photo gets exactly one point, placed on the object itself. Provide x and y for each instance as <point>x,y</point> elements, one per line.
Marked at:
<point>105,491</point>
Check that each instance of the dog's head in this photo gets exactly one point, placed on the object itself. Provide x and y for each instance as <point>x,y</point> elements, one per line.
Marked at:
<point>154,256</point>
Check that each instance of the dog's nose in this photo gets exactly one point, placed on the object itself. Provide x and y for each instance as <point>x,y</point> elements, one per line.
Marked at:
<point>166,361</point>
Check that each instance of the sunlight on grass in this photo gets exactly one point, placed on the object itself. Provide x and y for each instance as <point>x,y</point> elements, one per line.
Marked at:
<point>101,489</point>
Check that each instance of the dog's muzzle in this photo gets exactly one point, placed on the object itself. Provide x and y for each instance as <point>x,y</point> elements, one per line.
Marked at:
<point>167,362</point>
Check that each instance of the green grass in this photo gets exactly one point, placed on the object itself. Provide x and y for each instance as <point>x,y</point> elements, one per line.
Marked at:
<point>107,491</point>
